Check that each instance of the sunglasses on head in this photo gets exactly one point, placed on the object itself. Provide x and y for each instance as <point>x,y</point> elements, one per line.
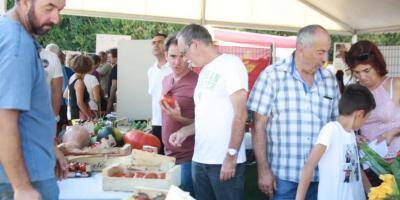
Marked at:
<point>362,57</point>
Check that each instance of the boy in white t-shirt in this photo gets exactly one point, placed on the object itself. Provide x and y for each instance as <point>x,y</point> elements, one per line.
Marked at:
<point>336,152</point>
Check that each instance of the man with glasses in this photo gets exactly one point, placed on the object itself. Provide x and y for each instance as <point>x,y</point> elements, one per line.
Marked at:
<point>292,100</point>
<point>156,74</point>
<point>220,114</point>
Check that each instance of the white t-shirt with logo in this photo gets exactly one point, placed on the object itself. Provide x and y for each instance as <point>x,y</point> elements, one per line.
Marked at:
<point>219,79</point>
<point>155,76</point>
<point>52,65</point>
<point>339,167</point>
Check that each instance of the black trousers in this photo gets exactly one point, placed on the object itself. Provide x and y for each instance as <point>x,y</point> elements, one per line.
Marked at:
<point>156,130</point>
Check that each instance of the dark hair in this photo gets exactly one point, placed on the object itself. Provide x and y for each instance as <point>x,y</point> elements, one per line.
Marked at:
<point>171,40</point>
<point>195,32</point>
<point>339,77</point>
<point>81,64</point>
<point>356,97</point>
<point>113,52</point>
<point>96,59</point>
<point>366,52</point>
<point>160,34</point>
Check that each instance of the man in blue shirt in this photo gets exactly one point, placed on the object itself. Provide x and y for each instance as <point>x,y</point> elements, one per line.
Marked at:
<point>27,154</point>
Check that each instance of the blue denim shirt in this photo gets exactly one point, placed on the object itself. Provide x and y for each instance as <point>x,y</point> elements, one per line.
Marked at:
<point>23,87</point>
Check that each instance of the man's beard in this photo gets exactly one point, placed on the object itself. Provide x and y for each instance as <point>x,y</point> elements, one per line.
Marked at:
<point>32,20</point>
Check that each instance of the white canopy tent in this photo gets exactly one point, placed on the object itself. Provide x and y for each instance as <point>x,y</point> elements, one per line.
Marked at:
<point>348,17</point>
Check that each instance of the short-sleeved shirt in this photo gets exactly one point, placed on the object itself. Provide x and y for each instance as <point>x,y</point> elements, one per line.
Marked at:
<point>296,114</point>
<point>218,80</point>
<point>113,76</point>
<point>52,65</point>
<point>182,91</point>
<point>104,71</point>
<point>155,77</point>
<point>339,166</point>
<point>24,88</point>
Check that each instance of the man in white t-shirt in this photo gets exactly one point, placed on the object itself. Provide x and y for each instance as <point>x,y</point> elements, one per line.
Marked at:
<point>220,115</point>
<point>335,151</point>
<point>155,75</point>
<point>54,78</point>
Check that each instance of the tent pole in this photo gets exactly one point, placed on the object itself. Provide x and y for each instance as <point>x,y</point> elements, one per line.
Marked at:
<point>3,6</point>
<point>203,12</point>
<point>354,39</point>
<point>273,49</point>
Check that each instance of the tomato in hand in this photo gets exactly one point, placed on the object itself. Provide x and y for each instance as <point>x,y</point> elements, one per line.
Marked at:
<point>169,100</point>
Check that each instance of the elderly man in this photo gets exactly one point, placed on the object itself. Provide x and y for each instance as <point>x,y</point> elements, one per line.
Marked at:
<point>27,123</point>
<point>220,115</point>
<point>292,100</point>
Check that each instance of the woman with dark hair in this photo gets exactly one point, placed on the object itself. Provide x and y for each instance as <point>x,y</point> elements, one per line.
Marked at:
<point>339,77</point>
<point>369,68</point>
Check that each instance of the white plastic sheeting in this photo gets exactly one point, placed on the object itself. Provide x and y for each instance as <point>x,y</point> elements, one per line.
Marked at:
<point>338,16</point>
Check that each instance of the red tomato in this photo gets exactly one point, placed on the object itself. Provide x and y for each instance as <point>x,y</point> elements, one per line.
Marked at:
<point>138,138</point>
<point>82,167</point>
<point>169,100</point>
<point>139,174</point>
<point>118,174</point>
<point>161,176</point>
<point>151,176</point>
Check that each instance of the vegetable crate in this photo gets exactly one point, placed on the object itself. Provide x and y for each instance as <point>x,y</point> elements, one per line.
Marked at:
<point>98,162</point>
<point>146,169</point>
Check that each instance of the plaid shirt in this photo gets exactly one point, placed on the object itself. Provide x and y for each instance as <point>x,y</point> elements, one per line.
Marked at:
<point>296,114</point>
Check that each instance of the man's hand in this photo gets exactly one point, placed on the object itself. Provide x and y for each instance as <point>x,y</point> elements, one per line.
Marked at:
<point>28,193</point>
<point>228,168</point>
<point>61,164</point>
<point>266,182</point>
<point>172,112</point>
<point>176,139</point>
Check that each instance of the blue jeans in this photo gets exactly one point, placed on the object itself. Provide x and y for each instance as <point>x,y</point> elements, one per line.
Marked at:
<point>48,189</point>
<point>186,178</point>
<point>207,185</point>
<point>287,190</point>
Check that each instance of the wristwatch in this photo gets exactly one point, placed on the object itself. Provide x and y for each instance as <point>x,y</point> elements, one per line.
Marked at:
<point>232,152</point>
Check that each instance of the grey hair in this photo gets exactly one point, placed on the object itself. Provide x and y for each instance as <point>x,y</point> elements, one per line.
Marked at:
<point>53,48</point>
<point>195,32</point>
<point>305,36</point>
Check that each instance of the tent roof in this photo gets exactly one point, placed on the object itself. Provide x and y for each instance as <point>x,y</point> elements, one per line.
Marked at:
<point>338,16</point>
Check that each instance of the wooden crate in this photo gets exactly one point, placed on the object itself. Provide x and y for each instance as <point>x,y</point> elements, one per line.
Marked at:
<point>151,192</point>
<point>143,161</point>
<point>99,162</point>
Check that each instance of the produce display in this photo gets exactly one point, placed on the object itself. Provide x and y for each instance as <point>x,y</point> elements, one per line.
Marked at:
<point>77,170</point>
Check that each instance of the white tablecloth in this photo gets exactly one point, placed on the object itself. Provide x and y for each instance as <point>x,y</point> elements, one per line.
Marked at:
<point>87,188</point>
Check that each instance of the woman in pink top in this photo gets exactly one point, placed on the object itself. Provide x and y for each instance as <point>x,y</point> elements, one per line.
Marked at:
<point>368,66</point>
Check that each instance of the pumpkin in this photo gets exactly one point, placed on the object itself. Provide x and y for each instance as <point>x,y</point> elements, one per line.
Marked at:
<point>138,138</point>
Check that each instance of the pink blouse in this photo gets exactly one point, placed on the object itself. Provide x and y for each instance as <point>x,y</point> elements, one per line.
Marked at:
<point>385,117</point>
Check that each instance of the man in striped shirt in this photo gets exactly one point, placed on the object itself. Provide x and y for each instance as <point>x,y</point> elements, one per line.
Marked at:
<point>291,101</point>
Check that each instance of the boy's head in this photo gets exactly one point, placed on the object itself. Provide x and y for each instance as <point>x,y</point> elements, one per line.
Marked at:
<point>356,100</point>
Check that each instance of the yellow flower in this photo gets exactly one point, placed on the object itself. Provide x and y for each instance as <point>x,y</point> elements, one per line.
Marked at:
<point>387,178</point>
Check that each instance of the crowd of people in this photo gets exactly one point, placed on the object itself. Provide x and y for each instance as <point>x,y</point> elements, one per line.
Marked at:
<point>307,124</point>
